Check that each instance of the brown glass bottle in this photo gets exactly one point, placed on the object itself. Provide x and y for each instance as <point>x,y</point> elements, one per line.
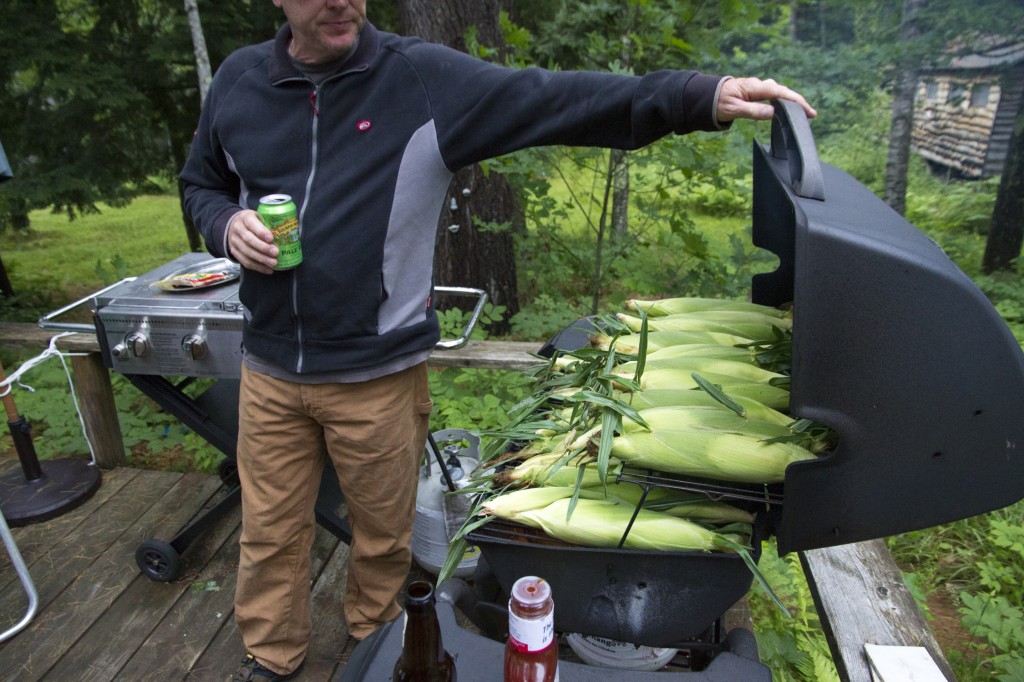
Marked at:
<point>423,657</point>
<point>531,652</point>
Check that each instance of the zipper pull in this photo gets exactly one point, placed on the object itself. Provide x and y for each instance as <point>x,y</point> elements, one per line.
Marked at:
<point>312,102</point>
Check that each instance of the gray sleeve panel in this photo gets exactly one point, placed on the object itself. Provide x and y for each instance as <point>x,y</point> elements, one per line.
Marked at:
<point>422,182</point>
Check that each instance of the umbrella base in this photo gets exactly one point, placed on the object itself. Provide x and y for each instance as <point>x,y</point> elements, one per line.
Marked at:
<point>64,485</point>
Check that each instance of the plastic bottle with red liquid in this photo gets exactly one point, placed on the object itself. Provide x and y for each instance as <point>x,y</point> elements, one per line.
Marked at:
<point>531,653</point>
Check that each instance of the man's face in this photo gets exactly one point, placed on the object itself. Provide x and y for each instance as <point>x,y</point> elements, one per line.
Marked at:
<point>323,30</point>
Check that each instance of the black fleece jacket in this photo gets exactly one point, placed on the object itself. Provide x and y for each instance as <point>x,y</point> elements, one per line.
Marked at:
<point>368,155</point>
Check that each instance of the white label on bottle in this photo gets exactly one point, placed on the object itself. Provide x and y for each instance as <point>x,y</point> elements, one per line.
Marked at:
<point>531,634</point>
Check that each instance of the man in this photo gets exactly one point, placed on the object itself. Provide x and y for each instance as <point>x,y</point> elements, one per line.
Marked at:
<point>364,130</point>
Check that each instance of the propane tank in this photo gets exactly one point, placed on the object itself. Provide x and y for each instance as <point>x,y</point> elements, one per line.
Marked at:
<point>460,451</point>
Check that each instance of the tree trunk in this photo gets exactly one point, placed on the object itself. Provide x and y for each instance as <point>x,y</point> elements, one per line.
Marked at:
<point>1006,233</point>
<point>6,288</point>
<point>205,76</point>
<point>203,70</point>
<point>470,251</point>
<point>619,160</point>
<point>902,121</point>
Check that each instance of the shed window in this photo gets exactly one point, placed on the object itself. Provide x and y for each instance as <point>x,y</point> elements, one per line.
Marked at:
<point>957,93</point>
<point>979,94</point>
<point>931,91</point>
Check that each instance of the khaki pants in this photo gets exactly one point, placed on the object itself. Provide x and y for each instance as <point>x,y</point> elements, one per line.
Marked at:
<point>374,432</point>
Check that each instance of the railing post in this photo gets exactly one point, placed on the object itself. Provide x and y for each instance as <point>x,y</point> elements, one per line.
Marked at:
<point>96,400</point>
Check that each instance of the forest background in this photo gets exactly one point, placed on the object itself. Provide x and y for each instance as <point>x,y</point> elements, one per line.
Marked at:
<point>101,98</point>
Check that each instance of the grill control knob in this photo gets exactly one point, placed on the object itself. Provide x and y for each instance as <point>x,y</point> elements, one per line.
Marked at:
<point>137,345</point>
<point>195,347</point>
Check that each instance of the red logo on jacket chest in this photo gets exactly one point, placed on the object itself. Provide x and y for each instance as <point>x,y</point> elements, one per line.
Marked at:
<point>364,126</point>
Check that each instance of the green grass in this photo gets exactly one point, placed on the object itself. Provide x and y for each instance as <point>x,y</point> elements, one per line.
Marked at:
<point>69,259</point>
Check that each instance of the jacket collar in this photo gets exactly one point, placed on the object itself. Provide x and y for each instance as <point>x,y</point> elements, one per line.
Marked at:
<point>281,68</point>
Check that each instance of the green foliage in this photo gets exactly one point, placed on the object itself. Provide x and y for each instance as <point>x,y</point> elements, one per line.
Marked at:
<point>57,261</point>
<point>794,648</point>
<point>545,315</point>
<point>472,399</point>
<point>1006,290</point>
<point>46,402</point>
<point>994,614</point>
<point>100,97</point>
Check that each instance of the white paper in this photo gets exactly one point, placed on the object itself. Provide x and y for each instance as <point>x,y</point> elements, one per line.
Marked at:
<point>902,664</point>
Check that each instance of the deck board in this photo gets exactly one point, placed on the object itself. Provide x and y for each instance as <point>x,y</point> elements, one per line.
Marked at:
<point>100,619</point>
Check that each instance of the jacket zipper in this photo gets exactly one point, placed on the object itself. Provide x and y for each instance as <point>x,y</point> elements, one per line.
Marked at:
<point>299,330</point>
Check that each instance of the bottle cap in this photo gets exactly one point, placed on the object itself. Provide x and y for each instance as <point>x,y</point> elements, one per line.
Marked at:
<point>531,590</point>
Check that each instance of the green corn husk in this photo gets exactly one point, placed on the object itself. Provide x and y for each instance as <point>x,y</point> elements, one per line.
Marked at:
<point>685,418</point>
<point>512,502</point>
<point>703,366</point>
<point>601,523</point>
<point>709,454</point>
<point>659,379</point>
<point>679,503</point>
<point>709,351</point>
<point>679,305</point>
<point>748,325</point>
<point>555,469</point>
<point>648,398</point>
<point>630,343</point>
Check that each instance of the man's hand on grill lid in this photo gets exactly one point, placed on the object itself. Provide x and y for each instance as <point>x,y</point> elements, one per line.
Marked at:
<point>251,243</point>
<point>747,98</point>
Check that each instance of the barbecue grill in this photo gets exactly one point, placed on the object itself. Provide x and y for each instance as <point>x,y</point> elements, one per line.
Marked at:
<point>183,349</point>
<point>893,347</point>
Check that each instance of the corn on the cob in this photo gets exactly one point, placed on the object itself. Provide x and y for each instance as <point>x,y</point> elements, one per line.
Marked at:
<point>703,366</point>
<point>512,502</point>
<point>747,325</point>
<point>552,469</point>
<point>709,454</point>
<point>675,306</point>
<point>630,343</point>
<point>676,503</point>
<point>670,397</point>
<point>709,351</point>
<point>675,380</point>
<point>601,523</point>
<point>686,418</point>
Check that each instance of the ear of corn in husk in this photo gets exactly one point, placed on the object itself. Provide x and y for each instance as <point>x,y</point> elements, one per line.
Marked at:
<point>656,340</point>
<point>601,523</point>
<point>671,397</point>
<point>709,454</point>
<point>748,325</point>
<point>680,418</point>
<point>555,469</point>
<point>707,351</point>
<point>744,371</point>
<point>680,305</point>
<point>668,379</point>
<point>679,503</point>
<point>508,504</point>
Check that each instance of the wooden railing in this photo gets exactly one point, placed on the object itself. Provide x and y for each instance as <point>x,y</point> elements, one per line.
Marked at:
<point>859,592</point>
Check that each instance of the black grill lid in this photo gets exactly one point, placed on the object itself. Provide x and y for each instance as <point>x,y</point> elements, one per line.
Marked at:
<point>893,347</point>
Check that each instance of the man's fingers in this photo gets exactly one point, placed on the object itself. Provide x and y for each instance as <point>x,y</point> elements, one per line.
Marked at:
<point>252,244</point>
<point>745,97</point>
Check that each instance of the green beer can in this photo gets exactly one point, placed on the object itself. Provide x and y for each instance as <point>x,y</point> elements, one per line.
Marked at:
<point>279,214</point>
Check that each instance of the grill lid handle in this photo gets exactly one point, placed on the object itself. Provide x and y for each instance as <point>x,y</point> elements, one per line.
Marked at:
<point>792,140</point>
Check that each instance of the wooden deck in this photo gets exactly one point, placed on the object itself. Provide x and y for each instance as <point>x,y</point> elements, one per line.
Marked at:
<point>100,619</point>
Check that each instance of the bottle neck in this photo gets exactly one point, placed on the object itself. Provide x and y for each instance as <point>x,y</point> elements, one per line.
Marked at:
<point>423,649</point>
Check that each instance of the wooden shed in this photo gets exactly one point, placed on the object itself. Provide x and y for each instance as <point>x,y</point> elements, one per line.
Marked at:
<point>963,116</point>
